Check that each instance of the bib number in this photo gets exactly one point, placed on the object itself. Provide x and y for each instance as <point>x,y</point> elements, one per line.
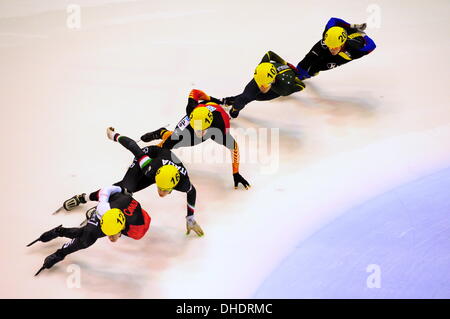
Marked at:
<point>183,123</point>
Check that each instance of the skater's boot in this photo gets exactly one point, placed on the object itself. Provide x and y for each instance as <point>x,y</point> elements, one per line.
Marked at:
<point>234,113</point>
<point>155,135</point>
<point>51,260</point>
<point>48,235</point>
<point>89,213</point>
<point>74,201</point>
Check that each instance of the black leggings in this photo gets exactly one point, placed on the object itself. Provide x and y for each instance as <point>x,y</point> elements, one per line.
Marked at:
<point>134,181</point>
<point>82,237</point>
<point>252,93</point>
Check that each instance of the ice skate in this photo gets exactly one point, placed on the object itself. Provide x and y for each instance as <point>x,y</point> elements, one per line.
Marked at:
<point>48,235</point>
<point>74,201</point>
<point>155,135</point>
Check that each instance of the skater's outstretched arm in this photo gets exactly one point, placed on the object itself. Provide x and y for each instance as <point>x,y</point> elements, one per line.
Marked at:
<point>271,56</point>
<point>195,97</point>
<point>336,22</point>
<point>186,186</point>
<point>237,177</point>
<point>103,199</point>
<point>191,223</point>
<point>229,142</point>
<point>314,61</point>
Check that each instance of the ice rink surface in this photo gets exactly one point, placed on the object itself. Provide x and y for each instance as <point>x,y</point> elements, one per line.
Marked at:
<point>354,143</point>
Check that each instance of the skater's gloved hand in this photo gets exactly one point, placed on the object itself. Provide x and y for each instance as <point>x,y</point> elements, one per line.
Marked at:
<point>293,68</point>
<point>359,27</point>
<point>111,133</point>
<point>191,224</point>
<point>302,74</point>
<point>228,101</point>
<point>239,179</point>
<point>234,113</point>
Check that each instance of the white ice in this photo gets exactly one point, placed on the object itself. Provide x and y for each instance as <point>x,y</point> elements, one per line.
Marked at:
<point>354,133</point>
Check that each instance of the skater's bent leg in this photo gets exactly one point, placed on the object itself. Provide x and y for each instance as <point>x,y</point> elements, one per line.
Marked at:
<point>71,232</point>
<point>130,181</point>
<point>87,237</point>
<point>132,178</point>
<point>249,94</point>
<point>267,96</point>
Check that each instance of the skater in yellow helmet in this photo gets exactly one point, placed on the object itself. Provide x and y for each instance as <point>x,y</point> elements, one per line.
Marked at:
<point>167,177</point>
<point>112,222</point>
<point>151,165</point>
<point>341,43</point>
<point>265,74</point>
<point>117,213</point>
<point>200,119</point>
<point>205,119</point>
<point>273,77</point>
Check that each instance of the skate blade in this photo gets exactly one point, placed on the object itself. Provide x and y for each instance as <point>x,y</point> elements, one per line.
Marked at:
<point>33,242</point>
<point>42,268</point>
<point>58,210</point>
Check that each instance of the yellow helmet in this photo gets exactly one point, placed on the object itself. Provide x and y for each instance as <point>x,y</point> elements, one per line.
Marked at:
<point>167,177</point>
<point>265,73</point>
<point>200,118</point>
<point>335,37</point>
<point>112,222</point>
